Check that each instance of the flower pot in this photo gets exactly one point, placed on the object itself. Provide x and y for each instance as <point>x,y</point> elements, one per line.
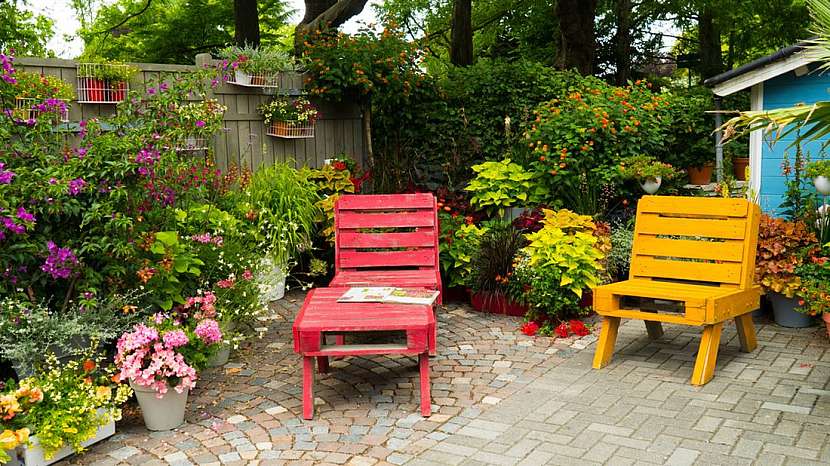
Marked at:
<point>651,185</point>
<point>33,454</point>
<point>95,93</point>
<point>826,318</point>
<point>739,166</point>
<point>456,294</point>
<point>701,175</point>
<point>822,184</point>
<point>117,91</point>
<point>220,358</point>
<point>271,281</point>
<point>163,413</point>
<point>496,304</point>
<point>241,77</point>
<point>257,80</point>
<point>783,308</point>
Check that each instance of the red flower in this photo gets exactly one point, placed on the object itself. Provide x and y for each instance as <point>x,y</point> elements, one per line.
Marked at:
<point>579,328</point>
<point>530,328</point>
<point>562,330</point>
<point>338,165</point>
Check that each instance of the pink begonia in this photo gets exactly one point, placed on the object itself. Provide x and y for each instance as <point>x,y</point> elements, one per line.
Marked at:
<point>247,275</point>
<point>206,302</point>
<point>208,330</point>
<point>145,361</point>
<point>175,338</point>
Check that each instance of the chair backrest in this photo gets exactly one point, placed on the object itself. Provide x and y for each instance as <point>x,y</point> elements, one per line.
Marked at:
<point>386,231</point>
<point>692,239</point>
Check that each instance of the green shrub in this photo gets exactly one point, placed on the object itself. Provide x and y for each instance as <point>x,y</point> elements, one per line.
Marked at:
<point>503,184</point>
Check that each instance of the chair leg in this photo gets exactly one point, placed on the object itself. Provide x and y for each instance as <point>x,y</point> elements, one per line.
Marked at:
<point>746,332</point>
<point>426,402</point>
<point>654,329</point>
<point>607,339</point>
<point>707,355</point>
<point>308,387</point>
<point>322,364</point>
<point>433,340</point>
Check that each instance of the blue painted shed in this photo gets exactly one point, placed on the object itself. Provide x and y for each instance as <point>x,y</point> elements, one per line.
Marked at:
<point>782,79</point>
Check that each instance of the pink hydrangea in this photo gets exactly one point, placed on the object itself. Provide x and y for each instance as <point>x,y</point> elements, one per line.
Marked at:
<point>208,330</point>
<point>175,338</point>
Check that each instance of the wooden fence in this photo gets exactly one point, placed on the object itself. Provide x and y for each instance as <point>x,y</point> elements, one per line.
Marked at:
<point>243,141</point>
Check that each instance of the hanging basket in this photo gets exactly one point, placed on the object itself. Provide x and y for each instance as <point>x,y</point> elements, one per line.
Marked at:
<point>262,79</point>
<point>28,109</point>
<point>93,90</point>
<point>290,130</point>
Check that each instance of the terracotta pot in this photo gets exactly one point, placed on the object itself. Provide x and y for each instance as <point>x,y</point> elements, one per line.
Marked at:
<point>701,175</point>
<point>257,80</point>
<point>826,318</point>
<point>496,304</point>
<point>95,92</point>
<point>739,166</point>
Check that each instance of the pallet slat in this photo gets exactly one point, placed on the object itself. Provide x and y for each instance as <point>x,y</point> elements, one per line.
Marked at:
<point>412,258</point>
<point>697,207</point>
<point>387,202</point>
<point>654,224</point>
<point>645,266</point>
<point>351,240</point>
<point>649,245</point>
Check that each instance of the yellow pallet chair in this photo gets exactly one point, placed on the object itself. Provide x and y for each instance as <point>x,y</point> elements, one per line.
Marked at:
<point>692,263</point>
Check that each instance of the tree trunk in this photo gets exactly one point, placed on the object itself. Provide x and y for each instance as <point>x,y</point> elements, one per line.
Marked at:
<point>366,110</point>
<point>461,40</point>
<point>622,42</point>
<point>711,59</point>
<point>246,21</point>
<point>324,13</point>
<point>577,44</point>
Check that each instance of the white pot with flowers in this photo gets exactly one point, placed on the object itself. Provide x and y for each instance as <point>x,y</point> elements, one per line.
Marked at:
<point>647,171</point>
<point>161,359</point>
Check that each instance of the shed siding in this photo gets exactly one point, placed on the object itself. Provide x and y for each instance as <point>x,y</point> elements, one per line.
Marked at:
<point>787,90</point>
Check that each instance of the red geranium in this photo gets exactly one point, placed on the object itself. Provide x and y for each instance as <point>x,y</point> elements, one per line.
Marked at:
<point>578,328</point>
<point>562,330</point>
<point>530,328</point>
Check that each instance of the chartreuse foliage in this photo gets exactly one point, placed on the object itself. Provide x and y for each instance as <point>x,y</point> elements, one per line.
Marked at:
<point>567,243</point>
<point>503,184</point>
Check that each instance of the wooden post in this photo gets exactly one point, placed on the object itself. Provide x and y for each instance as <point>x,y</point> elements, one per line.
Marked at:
<point>707,355</point>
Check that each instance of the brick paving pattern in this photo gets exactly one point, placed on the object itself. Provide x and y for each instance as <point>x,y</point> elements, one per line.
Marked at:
<point>500,397</point>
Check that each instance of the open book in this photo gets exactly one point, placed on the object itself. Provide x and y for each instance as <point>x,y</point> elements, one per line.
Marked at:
<point>386,294</point>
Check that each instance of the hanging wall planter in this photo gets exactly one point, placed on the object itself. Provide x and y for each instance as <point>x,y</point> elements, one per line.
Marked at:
<point>30,109</point>
<point>289,118</point>
<point>103,83</point>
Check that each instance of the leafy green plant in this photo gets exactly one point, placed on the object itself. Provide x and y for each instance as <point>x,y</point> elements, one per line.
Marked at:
<point>176,269</point>
<point>814,273</point>
<point>258,60</point>
<point>460,240</point>
<point>331,182</point>
<point>781,246</point>
<point>593,128</point>
<point>502,184</point>
<point>618,260</point>
<point>42,87</point>
<point>540,289</point>
<point>285,205</point>
<point>567,242</point>
<point>817,168</point>
<point>643,167</point>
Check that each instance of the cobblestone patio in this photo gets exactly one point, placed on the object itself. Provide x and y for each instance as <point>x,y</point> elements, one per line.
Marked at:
<point>500,397</point>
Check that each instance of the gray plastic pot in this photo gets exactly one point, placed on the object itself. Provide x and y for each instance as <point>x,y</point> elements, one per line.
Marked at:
<point>220,358</point>
<point>783,308</point>
<point>163,413</point>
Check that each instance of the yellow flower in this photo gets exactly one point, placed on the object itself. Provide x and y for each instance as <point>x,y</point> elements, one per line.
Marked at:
<point>103,393</point>
<point>10,439</point>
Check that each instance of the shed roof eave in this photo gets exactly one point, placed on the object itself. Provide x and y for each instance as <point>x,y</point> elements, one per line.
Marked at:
<point>759,74</point>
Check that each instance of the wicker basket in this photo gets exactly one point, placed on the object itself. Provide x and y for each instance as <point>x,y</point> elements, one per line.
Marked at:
<point>290,130</point>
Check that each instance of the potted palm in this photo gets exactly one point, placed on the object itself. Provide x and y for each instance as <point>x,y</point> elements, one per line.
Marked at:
<point>819,171</point>
<point>646,170</point>
<point>782,245</point>
<point>161,359</point>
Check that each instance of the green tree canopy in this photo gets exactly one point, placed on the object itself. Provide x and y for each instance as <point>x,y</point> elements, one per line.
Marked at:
<point>172,31</point>
<point>24,31</point>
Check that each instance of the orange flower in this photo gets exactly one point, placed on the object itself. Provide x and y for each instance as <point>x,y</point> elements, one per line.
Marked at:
<point>89,365</point>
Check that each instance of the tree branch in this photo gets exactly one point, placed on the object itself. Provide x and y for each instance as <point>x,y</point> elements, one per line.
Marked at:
<point>125,20</point>
<point>338,13</point>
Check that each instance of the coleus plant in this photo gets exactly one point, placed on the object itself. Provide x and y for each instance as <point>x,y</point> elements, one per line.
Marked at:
<point>781,246</point>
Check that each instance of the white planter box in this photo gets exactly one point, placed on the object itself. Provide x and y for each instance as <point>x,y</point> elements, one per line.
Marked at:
<point>33,454</point>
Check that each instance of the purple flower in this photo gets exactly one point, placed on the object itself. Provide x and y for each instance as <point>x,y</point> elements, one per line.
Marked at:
<point>5,175</point>
<point>10,225</point>
<point>75,186</point>
<point>151,90</point>
<point>81,151</point>
<point>53,180</point>
<point>25,216</point>
<point>60,262</point>
<point>200,124</point>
